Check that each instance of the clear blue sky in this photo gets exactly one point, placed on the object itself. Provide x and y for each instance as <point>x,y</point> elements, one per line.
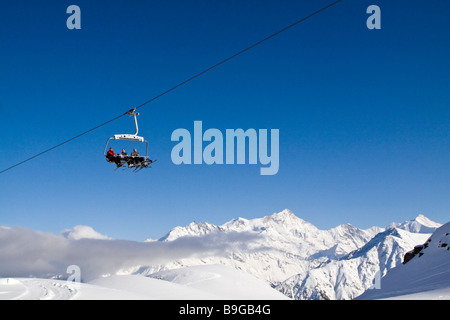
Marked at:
<point>364,115</point>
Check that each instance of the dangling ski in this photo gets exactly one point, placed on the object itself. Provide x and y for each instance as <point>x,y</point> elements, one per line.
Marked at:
<point>139,168</point>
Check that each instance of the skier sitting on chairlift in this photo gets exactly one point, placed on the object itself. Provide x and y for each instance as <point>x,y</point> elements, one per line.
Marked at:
<point>110,154</point>
<point>136,158</point>
<point>135,153</point>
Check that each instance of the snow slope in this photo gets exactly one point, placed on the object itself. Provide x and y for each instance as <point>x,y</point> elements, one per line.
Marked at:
<point>425,276</point>
<point>193,283</point>
<point>221,281</point>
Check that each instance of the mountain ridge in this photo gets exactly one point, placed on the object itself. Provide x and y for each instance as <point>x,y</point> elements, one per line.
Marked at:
<point>425,276</point>
<point>305,262</point>
<point>286,252</point>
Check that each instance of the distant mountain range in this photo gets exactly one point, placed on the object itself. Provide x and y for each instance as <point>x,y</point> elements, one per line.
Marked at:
<point>281,250</point>
<point>300,260</point>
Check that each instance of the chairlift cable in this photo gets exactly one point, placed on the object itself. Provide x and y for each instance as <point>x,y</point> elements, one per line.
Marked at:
<point>177,86</point>
<point>62,143</point>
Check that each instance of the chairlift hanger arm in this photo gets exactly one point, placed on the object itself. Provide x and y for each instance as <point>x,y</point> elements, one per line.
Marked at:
<point>134,114</point>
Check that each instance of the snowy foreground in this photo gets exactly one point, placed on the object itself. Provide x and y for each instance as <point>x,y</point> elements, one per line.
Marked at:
<point>213,282</point>
<point>275,257</point>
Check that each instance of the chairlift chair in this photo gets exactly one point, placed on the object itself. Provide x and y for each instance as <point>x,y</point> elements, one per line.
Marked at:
<point>137,163</point>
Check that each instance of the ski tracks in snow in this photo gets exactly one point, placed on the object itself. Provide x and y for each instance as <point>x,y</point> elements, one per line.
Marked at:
<point>36,289</point>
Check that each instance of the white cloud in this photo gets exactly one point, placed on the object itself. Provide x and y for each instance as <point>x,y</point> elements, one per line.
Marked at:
<point>25,252</point>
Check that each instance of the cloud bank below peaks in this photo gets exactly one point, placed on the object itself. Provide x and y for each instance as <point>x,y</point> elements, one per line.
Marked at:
<point>29,253</point>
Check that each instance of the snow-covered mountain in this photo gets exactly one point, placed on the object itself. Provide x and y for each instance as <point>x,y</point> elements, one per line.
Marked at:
<point>281,250</point>
<point>421,224</point>
<point>426,275</point>
<point>288,233</point>
<point>349,276</point>
<point>82,232</point>
<point>280,245</point>
<point>302,261</point>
